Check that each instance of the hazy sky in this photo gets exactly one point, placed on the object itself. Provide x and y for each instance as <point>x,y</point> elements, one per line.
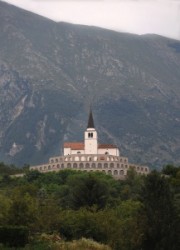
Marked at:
<point>136,16</point>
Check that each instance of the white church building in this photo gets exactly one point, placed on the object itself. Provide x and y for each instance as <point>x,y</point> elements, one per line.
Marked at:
<point>91,156</point>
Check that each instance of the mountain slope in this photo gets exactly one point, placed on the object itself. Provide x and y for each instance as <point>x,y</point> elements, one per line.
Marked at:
<point>50,72</point>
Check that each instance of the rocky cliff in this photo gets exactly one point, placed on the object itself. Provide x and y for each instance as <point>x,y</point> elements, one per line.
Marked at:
<point>50,72</point>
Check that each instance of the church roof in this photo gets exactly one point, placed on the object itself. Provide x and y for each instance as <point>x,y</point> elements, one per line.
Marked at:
<point>90,120</point>
<point>80,145</point>
<point>106,146</point>
<point>74,145</point>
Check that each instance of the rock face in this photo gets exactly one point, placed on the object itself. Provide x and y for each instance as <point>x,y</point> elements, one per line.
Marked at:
<point>50,73</point>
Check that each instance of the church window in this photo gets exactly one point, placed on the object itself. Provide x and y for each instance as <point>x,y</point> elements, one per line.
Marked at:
<point>87,165</point>
<point>99,165</point>
<point>93,165</point>
<point>121,172</point>
<point>111,165</point>
<point>105,165</point>
<point>81,165</point>
<point>109,172</point>
<point>69,165</point>
<point>90,135</point>
<point>74,165</point>
<point>115,172</point>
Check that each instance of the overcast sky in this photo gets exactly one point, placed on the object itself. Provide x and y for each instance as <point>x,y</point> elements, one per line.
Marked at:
<point>135,16</point>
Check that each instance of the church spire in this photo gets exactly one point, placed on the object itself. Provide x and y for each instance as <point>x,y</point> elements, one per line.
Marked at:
<point>90,120</point>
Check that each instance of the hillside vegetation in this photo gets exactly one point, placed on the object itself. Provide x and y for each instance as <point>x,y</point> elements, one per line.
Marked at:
<point>56,210</point>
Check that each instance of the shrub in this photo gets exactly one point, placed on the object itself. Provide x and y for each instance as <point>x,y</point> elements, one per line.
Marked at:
<point>14,236</point>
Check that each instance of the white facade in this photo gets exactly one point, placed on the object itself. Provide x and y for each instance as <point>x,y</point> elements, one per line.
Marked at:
<point>89,156</point>
<point>90,141</point>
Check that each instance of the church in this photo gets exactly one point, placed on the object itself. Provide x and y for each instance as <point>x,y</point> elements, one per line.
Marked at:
<point>91,156</point>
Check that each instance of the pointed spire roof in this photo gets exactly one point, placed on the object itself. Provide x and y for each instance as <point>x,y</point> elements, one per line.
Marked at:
<point>90,120</point>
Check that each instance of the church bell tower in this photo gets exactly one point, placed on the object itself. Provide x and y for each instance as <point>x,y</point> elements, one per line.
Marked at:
<point>90,137</point>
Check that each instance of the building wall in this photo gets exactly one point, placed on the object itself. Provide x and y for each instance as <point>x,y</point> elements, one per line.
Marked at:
<point>113,165</point>
<point>110,151</point>
<point>69,151</point>
<point>90,141</point>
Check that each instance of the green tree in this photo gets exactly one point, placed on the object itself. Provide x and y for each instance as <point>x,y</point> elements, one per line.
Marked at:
<point>88,190</point>
<point>160,220</point>
<point>23,210</point>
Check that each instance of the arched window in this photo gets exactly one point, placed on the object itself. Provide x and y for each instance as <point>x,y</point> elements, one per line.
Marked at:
<point>90,135</point>
<point>93,165</point>
<point>69,165</point>
<point>109,172</point>
<point>117,165</point>
<point>105,165</point>
<point>49,167</point>
<point>74,165</point>
<point>99,165</point>
<point>111,165</point>
<point>58,166</point>
<point>115,172</point>
<point>81,165</point>
<point>52,161</point>
<point>62,165</point>
<point>121,172</point>
<point>87,165</point>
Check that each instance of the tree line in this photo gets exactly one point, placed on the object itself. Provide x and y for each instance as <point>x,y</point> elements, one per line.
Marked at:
<point>141,212</point>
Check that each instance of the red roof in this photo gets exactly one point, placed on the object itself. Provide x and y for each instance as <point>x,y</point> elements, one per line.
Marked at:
<point>80,145</point>
<point>107,146</point>
<point>74,145</point>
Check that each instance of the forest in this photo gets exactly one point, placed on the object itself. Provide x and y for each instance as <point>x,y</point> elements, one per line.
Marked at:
<point>89,210</point>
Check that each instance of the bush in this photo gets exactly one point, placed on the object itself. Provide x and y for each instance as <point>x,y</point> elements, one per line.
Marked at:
<point>14,236</point>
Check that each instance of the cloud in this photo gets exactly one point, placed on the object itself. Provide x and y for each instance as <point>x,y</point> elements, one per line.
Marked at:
<point>135,16</point>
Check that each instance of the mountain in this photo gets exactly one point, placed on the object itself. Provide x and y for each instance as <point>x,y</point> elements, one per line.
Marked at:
<point>51,72</point>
